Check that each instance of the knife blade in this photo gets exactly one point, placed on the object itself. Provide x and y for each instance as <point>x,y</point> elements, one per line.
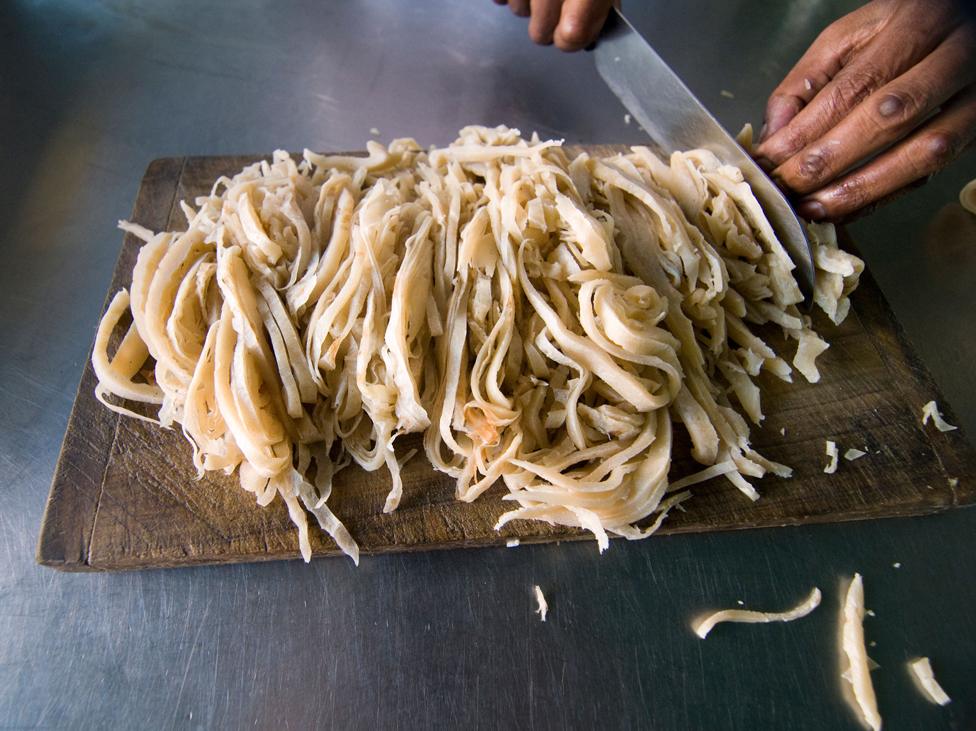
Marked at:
<point>675,120</point>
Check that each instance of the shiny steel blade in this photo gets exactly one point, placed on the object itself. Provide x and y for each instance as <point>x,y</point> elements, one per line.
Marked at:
<point>676,120</point>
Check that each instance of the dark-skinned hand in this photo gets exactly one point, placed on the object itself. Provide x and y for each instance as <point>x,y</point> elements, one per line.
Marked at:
<point>570,24</point>
<point>883,99</point>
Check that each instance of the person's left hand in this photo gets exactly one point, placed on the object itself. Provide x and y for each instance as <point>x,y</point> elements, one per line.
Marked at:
<point>883,99</point>
<point>571,24</point>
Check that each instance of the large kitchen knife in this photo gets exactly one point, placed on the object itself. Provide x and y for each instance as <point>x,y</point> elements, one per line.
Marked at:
<point>676,120</point>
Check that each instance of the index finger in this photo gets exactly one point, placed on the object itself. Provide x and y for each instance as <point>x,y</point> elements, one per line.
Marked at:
<point>811,73</point>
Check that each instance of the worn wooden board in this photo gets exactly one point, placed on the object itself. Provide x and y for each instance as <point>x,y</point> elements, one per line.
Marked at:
<point>124,493</point>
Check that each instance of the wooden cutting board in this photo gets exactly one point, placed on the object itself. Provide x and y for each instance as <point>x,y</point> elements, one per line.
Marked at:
<point>124,493</point>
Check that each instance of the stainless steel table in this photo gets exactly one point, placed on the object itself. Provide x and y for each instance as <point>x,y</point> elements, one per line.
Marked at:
<point>91,91</point>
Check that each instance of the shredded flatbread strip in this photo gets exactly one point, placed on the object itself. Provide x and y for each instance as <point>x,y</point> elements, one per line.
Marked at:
<point>922,671</point>
<point>931,411</point>
<point>833,455</point>
<point>541,601</point>
<point>708,473</point>
<point>745,137</point>
<point>544,322</point>
<point>967,197</point>
<point>858,672</point>
<point>810,347</point>
<point>703,627</point>
<point>851,454</point>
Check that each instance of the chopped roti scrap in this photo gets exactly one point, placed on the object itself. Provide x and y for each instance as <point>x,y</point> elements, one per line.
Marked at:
<point>543,605</point>
<point>833,455</point>
<point>745,137</point>
<point>922,671</point>
<point>858,671</point>
<point>704,626</point>
<point>701,476</point>
<point>967,197</point>
<point>931,411</point>
<point>543,321</point>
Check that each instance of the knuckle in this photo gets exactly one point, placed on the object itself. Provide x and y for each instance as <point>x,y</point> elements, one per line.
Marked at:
<point>812,167</point>
<point>939,147</point>
<point>852,194</point>
<point>899,106</point>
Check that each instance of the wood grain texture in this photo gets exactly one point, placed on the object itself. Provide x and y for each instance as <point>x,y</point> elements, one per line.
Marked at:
<point>125,496</point>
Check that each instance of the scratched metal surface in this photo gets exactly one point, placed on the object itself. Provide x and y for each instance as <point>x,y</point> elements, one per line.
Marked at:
<point>91,91</point>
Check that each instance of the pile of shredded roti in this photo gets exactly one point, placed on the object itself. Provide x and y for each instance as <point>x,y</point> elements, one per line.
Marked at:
<point>544,321</point>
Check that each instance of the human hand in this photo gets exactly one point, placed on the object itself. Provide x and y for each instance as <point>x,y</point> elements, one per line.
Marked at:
<point>893,81</point>
<point>570,24</point>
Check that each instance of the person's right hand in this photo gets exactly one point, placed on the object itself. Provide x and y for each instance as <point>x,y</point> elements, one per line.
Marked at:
<point>571,24</point>
<point>884,98</point>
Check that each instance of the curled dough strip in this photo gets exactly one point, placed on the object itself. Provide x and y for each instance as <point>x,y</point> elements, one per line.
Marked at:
<point>542,321</point>
<point>115,375</point>
<point>746,616</point>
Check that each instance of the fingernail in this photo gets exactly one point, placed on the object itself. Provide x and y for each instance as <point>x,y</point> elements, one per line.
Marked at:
<point>812,210</point>
<point>763,131</point>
